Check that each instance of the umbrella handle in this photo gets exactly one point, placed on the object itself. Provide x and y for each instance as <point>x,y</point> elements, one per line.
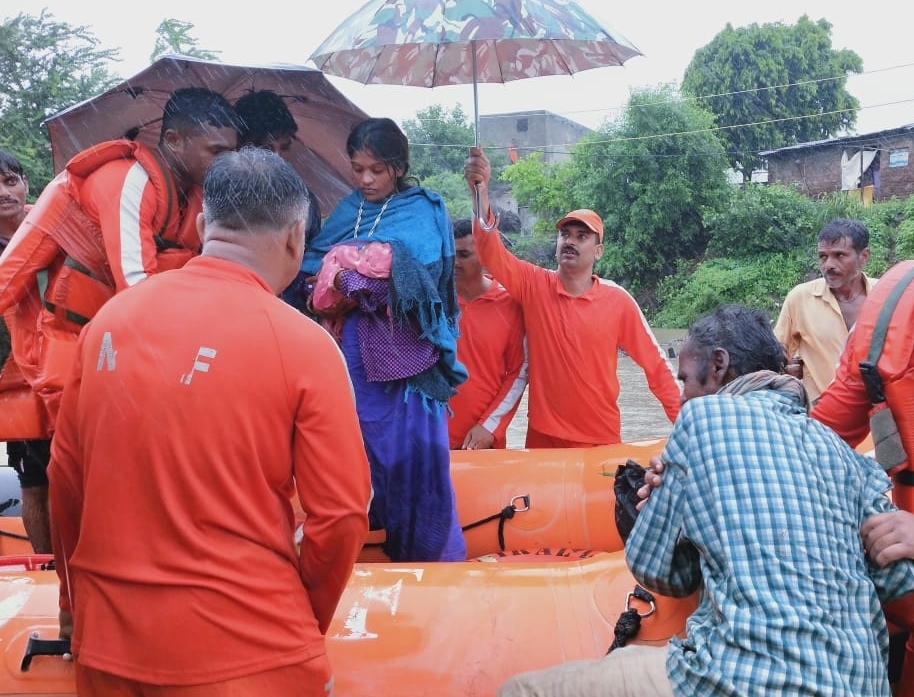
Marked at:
<point>483,223</point>
<point>476,203</point>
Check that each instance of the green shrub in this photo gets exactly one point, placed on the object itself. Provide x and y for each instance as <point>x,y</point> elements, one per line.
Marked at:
<point>763,219</point>
<point>695,290</point>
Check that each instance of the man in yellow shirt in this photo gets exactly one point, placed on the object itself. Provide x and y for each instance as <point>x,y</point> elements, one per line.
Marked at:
<point>817,315</point>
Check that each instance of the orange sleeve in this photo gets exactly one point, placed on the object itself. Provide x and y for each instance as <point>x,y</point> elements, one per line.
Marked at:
<point>638,341</point>
<point>65,482</point>
<point>504,405</point>
<point>332,477</point>
<point>504,267</point>
<point>124,201</point>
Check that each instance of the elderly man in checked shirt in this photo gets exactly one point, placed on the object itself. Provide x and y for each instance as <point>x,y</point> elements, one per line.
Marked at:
<point>762,506</point>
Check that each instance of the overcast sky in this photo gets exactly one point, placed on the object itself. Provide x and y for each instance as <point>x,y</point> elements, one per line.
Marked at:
<point>667,33</point>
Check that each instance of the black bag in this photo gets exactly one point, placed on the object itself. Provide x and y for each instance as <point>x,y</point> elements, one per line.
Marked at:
<point>629,478</point>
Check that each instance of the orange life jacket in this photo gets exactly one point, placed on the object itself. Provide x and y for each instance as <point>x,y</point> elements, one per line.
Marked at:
<point>55,274</point>
<point>896,363</point>
<point>23,414</point>
<point>77,238</point>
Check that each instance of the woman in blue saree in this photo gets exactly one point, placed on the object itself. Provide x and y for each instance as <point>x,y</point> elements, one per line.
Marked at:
<point>383,262</point>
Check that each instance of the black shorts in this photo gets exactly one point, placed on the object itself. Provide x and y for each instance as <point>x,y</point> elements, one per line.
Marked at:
<point>30,460</point>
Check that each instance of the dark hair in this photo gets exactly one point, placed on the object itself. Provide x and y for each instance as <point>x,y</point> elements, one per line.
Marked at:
<point>9,163</point>
<point>463,227</point>
<point>383,138</point>
<point>251,187</point>
<point>313,226</point>
<point>839,228</point>
<point>744,332</point>
<point>263,114</point>
<point>193,107</point>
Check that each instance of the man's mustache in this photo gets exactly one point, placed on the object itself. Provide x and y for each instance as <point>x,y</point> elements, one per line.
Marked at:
<point>569,248</point>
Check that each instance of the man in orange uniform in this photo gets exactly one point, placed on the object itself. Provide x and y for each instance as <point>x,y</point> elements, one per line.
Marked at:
<point>576,323</point>
<point>199,404</point>
<point>267,122</point>
<point>491,345</point>
<point>28,456</point>
<point>118,213</point>
<point>845,405</point>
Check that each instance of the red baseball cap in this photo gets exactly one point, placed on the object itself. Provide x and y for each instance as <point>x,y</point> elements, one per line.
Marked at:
<point>587,218</point>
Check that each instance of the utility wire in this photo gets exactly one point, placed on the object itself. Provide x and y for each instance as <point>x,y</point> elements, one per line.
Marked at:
<point>754,90</point>
<point>565,148</point>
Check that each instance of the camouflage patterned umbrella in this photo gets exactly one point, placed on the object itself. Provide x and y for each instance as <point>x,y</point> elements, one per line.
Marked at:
<point>429,43</point>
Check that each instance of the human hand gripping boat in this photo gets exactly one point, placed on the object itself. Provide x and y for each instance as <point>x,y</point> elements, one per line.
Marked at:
<point>547,584</point>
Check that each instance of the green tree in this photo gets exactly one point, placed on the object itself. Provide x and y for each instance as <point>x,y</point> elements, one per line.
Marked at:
<point>764,243</point>
<point>545,189</point>
<point>453,189</point>
<point>45,66</point>
<point>173,36</point>
<point>438,140</point>
<point>653,176</point>
<point>773,85</point>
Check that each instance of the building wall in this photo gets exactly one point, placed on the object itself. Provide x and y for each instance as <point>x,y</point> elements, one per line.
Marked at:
<point>527,132</point>
<point>531,131</point>
<point>817,169</point>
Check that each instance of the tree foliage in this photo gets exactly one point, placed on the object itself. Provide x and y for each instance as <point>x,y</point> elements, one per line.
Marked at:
<point>453,189</point>
<point>760,282</point>
<point>773,85</point>
<point>762,219</point>
<point>653,176</point>
<point>173,36</point>
<point>438,139</point>
<point>543,188</point>
<point>772,233</point>
<point>45,66</point>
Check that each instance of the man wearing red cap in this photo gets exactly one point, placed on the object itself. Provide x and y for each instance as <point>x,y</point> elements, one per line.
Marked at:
<point>576,323</point>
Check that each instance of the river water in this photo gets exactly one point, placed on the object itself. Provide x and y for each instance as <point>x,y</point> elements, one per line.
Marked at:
<point>642,415</point>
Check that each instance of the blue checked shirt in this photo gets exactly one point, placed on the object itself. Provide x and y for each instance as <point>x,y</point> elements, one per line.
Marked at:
<point>764,505</point>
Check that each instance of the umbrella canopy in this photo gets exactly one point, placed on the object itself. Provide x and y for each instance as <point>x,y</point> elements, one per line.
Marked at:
<point>428,43</point>
<point>134,109</point>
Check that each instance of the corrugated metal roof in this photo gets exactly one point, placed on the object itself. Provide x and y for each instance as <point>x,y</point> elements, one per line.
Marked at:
<point>842,140</point>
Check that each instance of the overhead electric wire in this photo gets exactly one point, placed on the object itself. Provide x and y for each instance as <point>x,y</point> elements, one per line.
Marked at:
<point>564,148</point>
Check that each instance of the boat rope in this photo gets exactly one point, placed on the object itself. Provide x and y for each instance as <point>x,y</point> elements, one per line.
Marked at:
<point>629,621</point>
<point>504,514</point>
<point>14,535</point>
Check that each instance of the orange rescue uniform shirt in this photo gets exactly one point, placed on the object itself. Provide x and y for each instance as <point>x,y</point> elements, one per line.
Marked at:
<point>572,345</point>
<point>491,347</point>
<point>178,449</point>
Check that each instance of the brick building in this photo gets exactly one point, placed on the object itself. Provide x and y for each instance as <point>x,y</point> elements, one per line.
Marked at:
<point>876,165</point>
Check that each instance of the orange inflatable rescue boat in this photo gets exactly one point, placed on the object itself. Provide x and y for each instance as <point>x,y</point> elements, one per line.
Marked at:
<point>549,587</point>
<point>532,499</point>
